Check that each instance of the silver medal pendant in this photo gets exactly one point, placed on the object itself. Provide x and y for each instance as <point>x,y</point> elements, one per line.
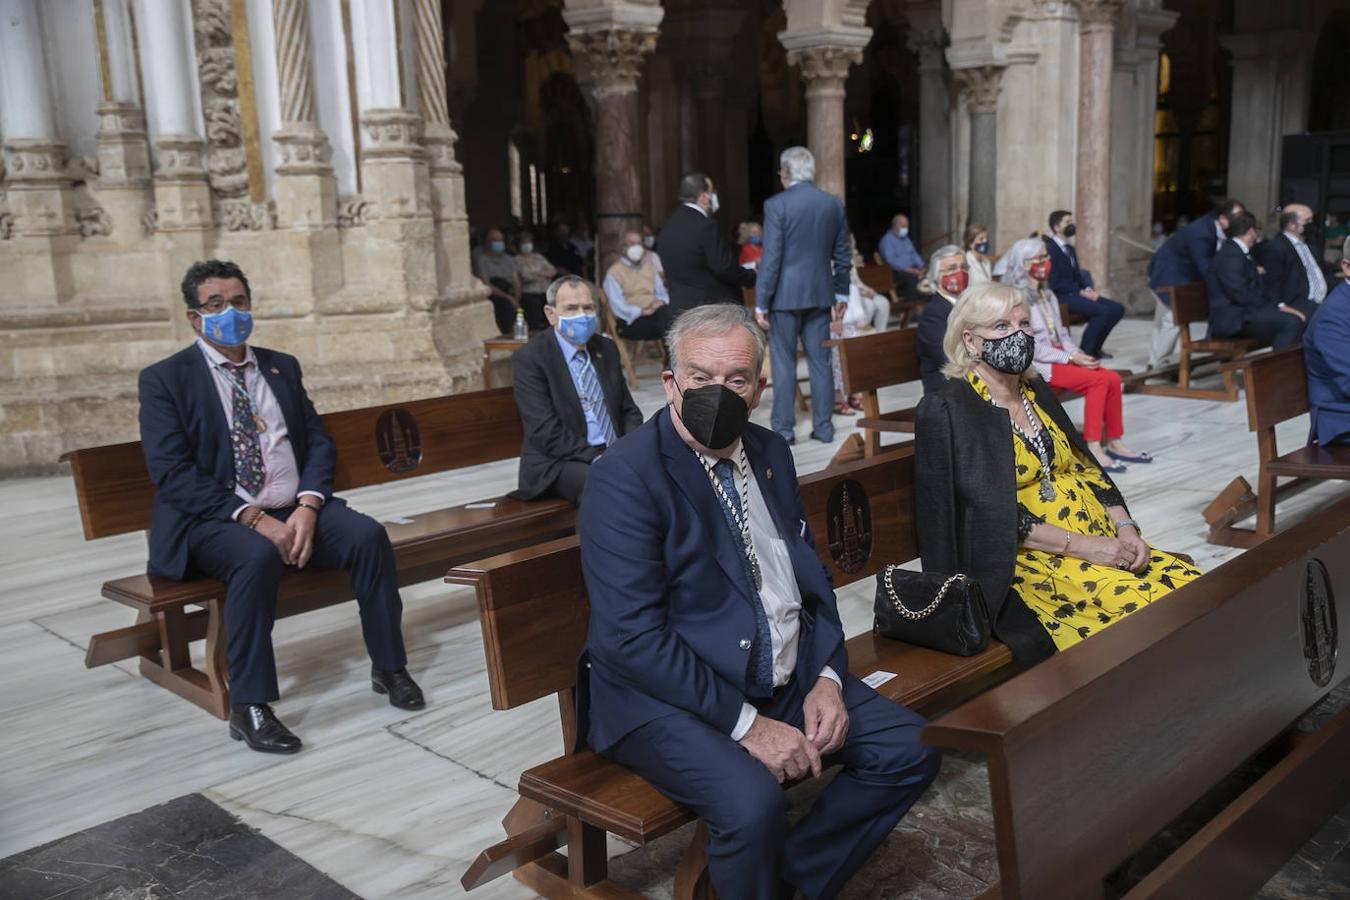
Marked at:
<point>1047,490</point>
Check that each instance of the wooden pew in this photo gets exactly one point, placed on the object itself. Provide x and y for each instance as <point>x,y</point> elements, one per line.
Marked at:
<point>1096,750</point>
<point>533,611</point>
<point>1277,390</point>
<point>880,278</point>
<point>873,361</point>
<point>1190,305</point>
<point>375,445</point>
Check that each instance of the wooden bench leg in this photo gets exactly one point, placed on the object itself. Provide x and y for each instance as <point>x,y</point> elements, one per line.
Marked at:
<point>171,666</point>
<point>533,831</point>
<point>582,873</point>
<point>691,877</point>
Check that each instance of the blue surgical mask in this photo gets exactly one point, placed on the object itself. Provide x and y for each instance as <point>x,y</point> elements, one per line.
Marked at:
<point>756,239</point>
<point>497,246</point>
<point>904,232</point>
<point>229,328</point>
<point>579,328</point>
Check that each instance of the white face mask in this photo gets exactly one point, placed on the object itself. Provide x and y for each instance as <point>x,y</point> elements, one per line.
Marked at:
<point>713,205</point>
<point>527,248</point>
<point>649,241</point>
<point>903,231</point>
<point>634,252</point>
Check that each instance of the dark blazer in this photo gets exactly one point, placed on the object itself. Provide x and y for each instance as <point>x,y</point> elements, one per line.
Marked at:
<point>1326,356</point>
<point>807,259</point>
<point>1185,256</point>
<point>1066,279</point>
<point>1285,276</point>
<point>701,267</point>
<point>671,604</point>
<point>555,426</point>
<point>1235,287</point>
<point>965,502</point>
<point>932,329</point>
<point>186,440</point>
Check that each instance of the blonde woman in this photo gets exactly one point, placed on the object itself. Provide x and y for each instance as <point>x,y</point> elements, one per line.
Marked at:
<point>1012,496</point>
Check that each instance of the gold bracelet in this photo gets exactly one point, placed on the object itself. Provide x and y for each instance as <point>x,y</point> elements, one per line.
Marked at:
<point>257,517</point>
<point>310,506</point>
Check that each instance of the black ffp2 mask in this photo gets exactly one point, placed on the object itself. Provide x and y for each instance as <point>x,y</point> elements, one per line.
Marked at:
<point>714,415</point>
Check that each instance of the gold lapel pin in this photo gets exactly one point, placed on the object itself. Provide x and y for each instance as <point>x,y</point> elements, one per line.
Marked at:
<point>768,473</point>
<point>276,371</point>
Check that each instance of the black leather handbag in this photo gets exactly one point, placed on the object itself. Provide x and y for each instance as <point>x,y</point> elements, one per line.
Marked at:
<point>930,610</point>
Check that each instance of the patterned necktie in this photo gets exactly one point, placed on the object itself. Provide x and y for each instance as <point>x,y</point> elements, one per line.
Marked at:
<point>592,398</point>
<point>248,462</point>
<point>759,670</point>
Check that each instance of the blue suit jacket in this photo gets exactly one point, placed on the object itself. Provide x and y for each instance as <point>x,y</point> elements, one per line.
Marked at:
<point>186,440</point>
<point>1185,256</point>
<point>807,260</point>
<point>1066,279</point>
<point>670,600</point>
<point>1326,355</point>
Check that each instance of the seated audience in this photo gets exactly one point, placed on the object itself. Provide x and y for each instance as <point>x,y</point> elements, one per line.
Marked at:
<point>1240,303</point>
<point>865,309</point>
<point>636,293</point>
<point>1292,271</point>
<point>498,270</point>
<point>715,665</point>
<point>897,251</point>
<point>948,276</point>
<point>584,245</point>
<point>573,399</point>
<point>535,274</point>
<point>751,238</point>
<point>1073,286</point>
<point>977,254</point>
<point>562,253</point>
<point>1185,257</point>
<point>1018,542</point>
<point>1063,364</point>
<point>243,475</point>
<point>1326,356</point>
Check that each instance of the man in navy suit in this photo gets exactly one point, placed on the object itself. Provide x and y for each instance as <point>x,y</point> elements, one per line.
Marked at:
<point>1184,258</point>
<point>715,665</point>
<point>1073,286</point>
<point>1240,303</point>
<point>1326,356</point>
<point>803,276</point>
<point>243,474</point>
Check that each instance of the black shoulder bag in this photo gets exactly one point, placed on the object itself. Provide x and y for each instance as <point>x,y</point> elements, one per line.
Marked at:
<point>929,610</point>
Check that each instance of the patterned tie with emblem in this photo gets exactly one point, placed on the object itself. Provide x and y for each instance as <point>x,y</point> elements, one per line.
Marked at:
<point>759,670</point>
<point>591,395</point>
<point>248,462</point>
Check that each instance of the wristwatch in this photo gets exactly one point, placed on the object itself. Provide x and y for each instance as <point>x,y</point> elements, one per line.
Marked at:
<point>1123,522</point>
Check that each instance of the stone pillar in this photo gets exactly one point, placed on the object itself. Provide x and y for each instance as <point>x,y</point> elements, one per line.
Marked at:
<point>123,148</point>
<point>306,191</point>
<point>1092,206</point>
<point>824,68</point>
<point>41,199</point>
<point>927,39</point>
<point>980,85</point>
<point>614,48</point>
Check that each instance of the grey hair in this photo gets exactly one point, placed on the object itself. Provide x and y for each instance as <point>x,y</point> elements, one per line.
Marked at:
<point>799,164</point>
<point>551,293</point>
<point>929,284</point>
<point>713,319</point>
<point>1019,254</point>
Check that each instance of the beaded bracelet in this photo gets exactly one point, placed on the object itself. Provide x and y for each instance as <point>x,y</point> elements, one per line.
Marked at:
<point>257,517</point>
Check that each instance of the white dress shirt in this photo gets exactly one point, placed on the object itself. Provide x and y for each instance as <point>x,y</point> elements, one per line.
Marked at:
<point>778,593</point>
<point>701,210</point>
<point>282,476</point>
<point>1317,282</point>
<point>1219,236</point>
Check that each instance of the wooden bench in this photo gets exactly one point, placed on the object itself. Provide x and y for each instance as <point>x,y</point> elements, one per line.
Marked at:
<point>533,611</point>
<point>1190,305</point>
<point>873,361</point>
<point>1096,750</point>
<point>375,445</point>
<point>1277,391</point>
<point>880,278</point>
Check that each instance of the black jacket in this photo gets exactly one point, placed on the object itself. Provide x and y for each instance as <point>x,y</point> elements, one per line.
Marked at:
<point>1235,287</point>
<point>931,332</point>
<point>555,426</point>
<point>965,502</point>
<point>1285,276</point>
<point>701,266</point>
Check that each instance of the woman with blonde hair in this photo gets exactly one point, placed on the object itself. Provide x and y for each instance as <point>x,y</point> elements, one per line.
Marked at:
<point>976,242</point>
<point>1012,496</point>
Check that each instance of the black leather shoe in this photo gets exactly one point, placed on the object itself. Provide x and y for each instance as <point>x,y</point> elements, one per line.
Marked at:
<point>816,437</point>
<point>398,684</point>
<point>257,726</point>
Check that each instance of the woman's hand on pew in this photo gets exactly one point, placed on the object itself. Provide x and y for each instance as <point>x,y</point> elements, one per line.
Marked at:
<point>782,749</point>
<point>1108,551</point>
<point>1129,536</point>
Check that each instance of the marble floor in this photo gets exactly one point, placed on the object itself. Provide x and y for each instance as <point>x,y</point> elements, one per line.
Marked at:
<point>393,804</point>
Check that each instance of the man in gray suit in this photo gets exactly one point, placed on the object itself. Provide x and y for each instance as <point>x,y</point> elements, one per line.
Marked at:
<point>803,274</point>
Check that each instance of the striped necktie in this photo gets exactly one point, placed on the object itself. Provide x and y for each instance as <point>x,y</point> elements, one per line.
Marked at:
<point>592,398</point>
<point>1317,282</point>
<point>759,669</point>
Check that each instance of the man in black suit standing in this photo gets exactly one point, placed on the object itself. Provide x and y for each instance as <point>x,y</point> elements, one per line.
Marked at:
<point>572,396</point>
<point>1240,304</point>
<point>700,265</point>
<point>1292,271</point>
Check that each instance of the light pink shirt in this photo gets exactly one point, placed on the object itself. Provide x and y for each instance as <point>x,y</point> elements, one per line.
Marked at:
<point>1047,354</point>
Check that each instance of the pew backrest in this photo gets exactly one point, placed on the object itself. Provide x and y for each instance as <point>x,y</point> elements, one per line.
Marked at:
<point>879,278</point>
<point>1190,303</point>
<point>1276,386</point>
<point>872,361</point>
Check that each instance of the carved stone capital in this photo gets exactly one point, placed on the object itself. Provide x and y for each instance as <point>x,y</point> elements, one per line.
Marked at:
<point>980,85</point>
<point>824,68</point>
<point>615,56</point>
<point>123,150</point>
<point>928,45</point>
<point>36,163</point>
<point>181,158</point>
<point>1098,15</point>
<point>439,140</point>
<point>391,134</point>
<point>242,214</point>
<point>120,118</point>
<point>303,150</point>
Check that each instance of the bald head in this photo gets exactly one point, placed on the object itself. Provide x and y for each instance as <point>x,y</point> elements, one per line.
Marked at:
<point>1295,218</point>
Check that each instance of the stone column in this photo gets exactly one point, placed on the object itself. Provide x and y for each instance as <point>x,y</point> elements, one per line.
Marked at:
<point>1092,206</point>
<point>980,86</point>
<point>824,68</point>
<point>123,148</point>
<point>927,39</point>
<point>41,199</point>
<point>306,191</point>
<point>614,50</point>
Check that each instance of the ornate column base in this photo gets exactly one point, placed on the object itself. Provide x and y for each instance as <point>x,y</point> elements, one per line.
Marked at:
<point>306,191</point>
<point>123,150</point>
<point>447,208</point>
<point>182,194</point>
<point>394,174</point>
<point>41,197</point>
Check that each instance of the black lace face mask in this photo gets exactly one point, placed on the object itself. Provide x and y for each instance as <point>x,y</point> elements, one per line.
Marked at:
<point>1011,353</point>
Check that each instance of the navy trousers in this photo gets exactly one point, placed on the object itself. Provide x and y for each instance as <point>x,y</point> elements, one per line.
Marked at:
<point>751,849</point>
<point>251,568</point>
<point>812,327</point>
<point>1102,315</point>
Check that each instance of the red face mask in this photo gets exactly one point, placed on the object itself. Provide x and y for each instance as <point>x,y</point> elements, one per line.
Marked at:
<point>1039,271</point>
<point>954,283</point>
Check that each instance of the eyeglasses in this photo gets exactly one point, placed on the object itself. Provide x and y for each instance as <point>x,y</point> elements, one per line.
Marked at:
<point>217,304</point>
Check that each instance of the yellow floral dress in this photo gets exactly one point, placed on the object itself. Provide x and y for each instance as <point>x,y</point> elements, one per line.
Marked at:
<point>1071,597</point>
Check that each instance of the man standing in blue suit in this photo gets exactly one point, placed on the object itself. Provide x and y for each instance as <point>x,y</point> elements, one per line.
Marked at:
<point>243,474</point>
<point>715,665</point>
<point>803,275</point>
<point>1074,287</point>
<point>1326,356</point>
<point>1183,258</point>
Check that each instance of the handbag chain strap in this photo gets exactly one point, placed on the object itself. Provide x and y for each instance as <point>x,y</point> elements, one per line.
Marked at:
<point>927,610</point>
